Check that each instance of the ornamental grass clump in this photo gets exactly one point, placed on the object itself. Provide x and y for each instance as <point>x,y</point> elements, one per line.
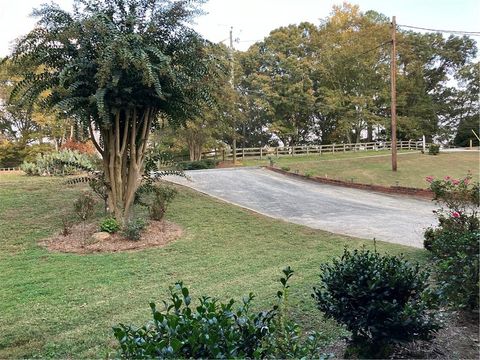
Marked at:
<point>381,299</point>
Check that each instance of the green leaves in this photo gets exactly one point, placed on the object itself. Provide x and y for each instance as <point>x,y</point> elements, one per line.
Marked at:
<point>120,54</point>
<point>215,330</point>
<point>380,299</point>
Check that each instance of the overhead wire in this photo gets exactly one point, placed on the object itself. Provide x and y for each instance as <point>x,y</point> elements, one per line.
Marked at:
<point>459,32</point>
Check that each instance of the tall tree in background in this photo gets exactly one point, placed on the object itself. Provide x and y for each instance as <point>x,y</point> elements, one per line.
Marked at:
<point>467,106</point>
<point>427,64</point>
<point>116,65</point>
<point>351,71</point>
<point>277,73</point>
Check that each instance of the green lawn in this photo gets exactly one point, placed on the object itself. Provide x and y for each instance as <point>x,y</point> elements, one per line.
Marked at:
<point>63,305</point>
<point>375,167</point>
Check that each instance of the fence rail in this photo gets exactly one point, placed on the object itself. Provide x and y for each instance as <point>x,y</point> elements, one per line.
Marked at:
<point>261,152</point>
<point>9,169</point>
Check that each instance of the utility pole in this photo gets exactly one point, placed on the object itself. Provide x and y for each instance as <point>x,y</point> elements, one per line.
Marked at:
<point>393,81</point>
<point>232,79</point>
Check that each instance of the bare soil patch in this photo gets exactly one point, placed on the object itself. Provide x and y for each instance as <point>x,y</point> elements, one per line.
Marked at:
<point>156,234</point>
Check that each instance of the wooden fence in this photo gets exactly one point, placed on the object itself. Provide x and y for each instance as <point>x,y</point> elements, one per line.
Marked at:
<point>9,169</point>
<point>262,152</point>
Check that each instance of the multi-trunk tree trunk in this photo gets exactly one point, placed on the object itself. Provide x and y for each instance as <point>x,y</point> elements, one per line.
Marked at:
<point>123,150</point>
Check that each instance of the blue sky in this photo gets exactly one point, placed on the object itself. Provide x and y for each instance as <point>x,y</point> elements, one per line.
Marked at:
<point>254,19</point>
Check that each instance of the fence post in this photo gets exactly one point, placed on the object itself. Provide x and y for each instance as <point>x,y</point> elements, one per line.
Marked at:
<point>261,153</point>
<point>276,151</point>
<point>223,154</point>
<point>243,153</point>
<point>307,149</point>
<point>293,150</point>
<point>344,149</point>
<point>333,149</point>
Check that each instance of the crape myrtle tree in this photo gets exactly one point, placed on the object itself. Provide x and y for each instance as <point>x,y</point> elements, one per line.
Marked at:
<point>118,66</point>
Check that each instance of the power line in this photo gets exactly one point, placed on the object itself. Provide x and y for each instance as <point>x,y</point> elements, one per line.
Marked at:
<point>375,48</point>
<point>460,32</point>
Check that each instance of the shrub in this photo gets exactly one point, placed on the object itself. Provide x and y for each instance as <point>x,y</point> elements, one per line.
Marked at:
<point>285,168</point>
<point>271,161</point>
<point>198,164</point>
<point>84,206</point>
<point>211,329</point>
<point>433,149</point>
<point>132,230</point>
<point>308,173</point>
<point>57,163</point>
<point>67,223</point>
<point>163,195</point>
<point>29,168</point>
<point>380,299</point>
<point>456,255</point>
<point>109,225</point>
<point>455,243</point>
<point>156,198</point>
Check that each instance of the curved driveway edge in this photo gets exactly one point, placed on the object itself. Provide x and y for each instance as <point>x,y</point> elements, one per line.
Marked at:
<point>341,210</point>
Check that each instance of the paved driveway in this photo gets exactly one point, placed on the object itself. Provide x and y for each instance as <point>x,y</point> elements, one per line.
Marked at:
<point>354,212</point>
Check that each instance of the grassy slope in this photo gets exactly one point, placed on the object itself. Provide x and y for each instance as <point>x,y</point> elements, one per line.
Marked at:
<point>375,167</point>
<point>63,305</point>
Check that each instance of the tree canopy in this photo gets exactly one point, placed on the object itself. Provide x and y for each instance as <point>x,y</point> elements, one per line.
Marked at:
<point>116,66</point>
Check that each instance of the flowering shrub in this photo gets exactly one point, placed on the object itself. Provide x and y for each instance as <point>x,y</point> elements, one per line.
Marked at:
<point>454,244</point>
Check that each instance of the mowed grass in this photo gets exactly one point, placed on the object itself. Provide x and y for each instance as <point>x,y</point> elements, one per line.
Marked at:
<point>375,167</point>
<point>58,305</point>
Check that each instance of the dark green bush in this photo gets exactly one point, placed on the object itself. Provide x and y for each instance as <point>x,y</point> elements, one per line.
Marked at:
<point>380,299</point>
<point>433,149</point>
<point>198,165</point>
<point>211,329</point>
<point>109,225</point>
<point>132,230</point>
<point>285,168</point>
<point>457,259</point>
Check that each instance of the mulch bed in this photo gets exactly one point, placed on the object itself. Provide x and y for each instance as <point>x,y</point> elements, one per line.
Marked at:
<point>458,339</point>
<point>156,234</point>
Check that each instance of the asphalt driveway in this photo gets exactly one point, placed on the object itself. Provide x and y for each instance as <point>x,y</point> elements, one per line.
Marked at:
<point>364,214</point>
